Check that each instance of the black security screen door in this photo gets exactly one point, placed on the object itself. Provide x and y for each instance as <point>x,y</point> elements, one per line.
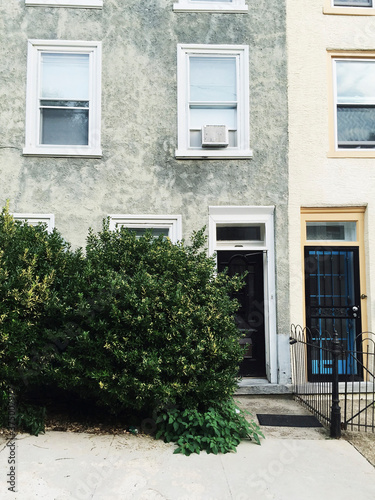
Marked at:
<point>332,304</point>
<point>250,316</point>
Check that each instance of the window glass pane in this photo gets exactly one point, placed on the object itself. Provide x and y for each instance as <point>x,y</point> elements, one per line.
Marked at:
<point>65,76</point>
<point>238,233</point>
<point>65,104</point>
<point>213,116</point>
<point>352,3</point>
<point>213,79</point>
<point>355,124</point>
<point>64,126</point>
<point>155,231</point>
<point>340,231</point>
<point>355,82</point>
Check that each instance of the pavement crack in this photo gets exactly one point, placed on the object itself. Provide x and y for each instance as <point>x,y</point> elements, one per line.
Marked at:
<point>226,479</point>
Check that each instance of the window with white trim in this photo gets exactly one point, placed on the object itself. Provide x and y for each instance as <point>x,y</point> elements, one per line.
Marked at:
<point>63,98</point>
<point>81,4</point>
<point>35,219</point>
<point>159,225</point>
<point>213,101</point>
<point>354,103</point>
<point>350,7</point>
<point>224,6</point>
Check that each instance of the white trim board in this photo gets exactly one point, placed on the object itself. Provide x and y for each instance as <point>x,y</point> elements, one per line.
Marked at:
<point>260,215</point>
<point>78,4</point>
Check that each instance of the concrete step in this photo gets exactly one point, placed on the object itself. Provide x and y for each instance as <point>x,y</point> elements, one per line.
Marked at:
<point>259,386</point>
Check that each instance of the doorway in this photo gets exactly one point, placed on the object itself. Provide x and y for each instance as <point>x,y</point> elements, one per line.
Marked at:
<point>333,305</point>
<point>250,315</point>
<point>334,285</point>
<point>242,239</point>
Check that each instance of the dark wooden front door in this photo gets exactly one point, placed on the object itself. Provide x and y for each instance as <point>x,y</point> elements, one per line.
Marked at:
<point>250,316</point>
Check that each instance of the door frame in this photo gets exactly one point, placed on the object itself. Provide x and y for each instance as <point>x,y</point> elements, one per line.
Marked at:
<point>337,214</point>
<point>264,216</point>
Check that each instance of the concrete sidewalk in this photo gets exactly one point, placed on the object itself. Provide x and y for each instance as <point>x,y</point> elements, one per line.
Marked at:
<point>59,466</point>
<point>291,464</point>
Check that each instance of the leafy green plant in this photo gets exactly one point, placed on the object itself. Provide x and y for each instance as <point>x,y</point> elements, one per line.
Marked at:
<point>37,271</point>
<point>3,405</point>
<point>24,417</point>
<point>31,419</point>
<point>219,429</point>
<point>132,325</point>
<point>156,325</point>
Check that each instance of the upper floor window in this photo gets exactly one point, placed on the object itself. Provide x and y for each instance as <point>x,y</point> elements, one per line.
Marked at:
<point>224,6</point>
<point>213,101</point>
<point>354,103</point>
<point>83,4</point>
<point>350,7</point>
<point>63,98</point>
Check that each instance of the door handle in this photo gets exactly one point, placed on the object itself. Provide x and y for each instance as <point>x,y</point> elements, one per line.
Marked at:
<point>355,310</point>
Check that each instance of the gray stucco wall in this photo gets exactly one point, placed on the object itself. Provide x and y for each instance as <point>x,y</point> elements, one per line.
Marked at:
<point>138,172</point>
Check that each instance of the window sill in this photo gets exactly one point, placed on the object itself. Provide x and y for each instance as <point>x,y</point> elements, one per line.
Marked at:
<point>350,153</point>
<point>349,11</point>
<point>218,10</point>
<point>217,154</point>
<point>81,4</point>
<point>63,153</point>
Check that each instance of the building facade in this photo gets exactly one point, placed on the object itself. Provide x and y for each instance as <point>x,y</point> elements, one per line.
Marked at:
<point>331,164</point>
<point>165,114</point>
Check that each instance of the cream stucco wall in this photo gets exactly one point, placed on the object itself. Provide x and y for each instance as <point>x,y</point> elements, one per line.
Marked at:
<point>314,178</point>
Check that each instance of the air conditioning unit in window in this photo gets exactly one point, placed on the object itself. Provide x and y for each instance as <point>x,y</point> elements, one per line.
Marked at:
<point>214,136</point>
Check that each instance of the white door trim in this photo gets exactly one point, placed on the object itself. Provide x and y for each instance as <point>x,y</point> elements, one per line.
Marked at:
<point>263,215</point>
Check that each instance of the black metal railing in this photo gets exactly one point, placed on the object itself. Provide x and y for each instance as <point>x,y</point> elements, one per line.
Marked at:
<point>335,379</point>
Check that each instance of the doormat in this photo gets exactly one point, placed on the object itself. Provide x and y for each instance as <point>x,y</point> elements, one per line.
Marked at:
<point>268,419</point>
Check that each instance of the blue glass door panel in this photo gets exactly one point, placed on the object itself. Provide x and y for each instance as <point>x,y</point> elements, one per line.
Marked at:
<point>332,304</point>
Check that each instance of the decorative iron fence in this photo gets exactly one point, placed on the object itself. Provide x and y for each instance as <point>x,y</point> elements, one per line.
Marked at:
<point>335,379</point>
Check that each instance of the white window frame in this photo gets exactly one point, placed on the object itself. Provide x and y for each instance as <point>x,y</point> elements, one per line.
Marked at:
<point>264,216</point>
<point>78,4</point>
<point>349,10</point>
<point>35,219</point>
<point>32,146</point>
<point>371,147</point>
<point>235,6</point>
<point>171,222</point>
<point>241,52</point>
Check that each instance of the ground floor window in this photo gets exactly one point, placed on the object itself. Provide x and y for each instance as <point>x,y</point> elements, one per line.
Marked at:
<point>166,225</point>
<point>35,219</point>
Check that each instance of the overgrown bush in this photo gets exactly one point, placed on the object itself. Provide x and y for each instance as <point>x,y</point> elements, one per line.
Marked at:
<point>4,412</point>
<point>156,325</point>
<point>219,429</point>
<point>134,324</point>
<point>36,282</point>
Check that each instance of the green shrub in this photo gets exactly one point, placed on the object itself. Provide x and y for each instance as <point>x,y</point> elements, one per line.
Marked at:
<point>31,419</point>
<point>3,405</point>
<point>133,325</point>
<point>156,325</point>
<point>36,282</point>
<point>219,429</point>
